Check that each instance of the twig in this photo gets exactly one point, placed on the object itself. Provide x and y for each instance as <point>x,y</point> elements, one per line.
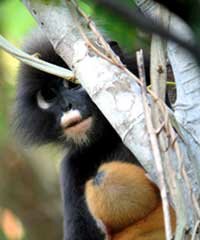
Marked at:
<point>100,38</point>
<point>195,230</point>
<point>35,62</point>
<point>92,46</point>
<point>155,149</point>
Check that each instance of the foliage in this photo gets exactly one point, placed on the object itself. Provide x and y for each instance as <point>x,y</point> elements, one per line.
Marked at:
<point>128,36</point>
<point>2,236</point>
<point>15,20</point>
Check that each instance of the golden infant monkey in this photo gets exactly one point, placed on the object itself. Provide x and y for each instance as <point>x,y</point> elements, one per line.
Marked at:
<point>125,203</point>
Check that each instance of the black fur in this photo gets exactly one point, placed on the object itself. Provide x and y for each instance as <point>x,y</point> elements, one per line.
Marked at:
<point>39,126</point>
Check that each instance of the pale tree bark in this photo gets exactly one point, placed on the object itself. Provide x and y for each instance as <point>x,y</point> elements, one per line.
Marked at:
<point>118,94</point>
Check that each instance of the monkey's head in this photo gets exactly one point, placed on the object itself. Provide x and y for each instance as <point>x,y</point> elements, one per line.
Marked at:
<point>50,109</point>
<point>119,195</point>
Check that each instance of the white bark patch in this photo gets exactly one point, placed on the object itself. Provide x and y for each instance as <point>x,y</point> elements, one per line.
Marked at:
<point>81,51</point>
<point>124,101</point>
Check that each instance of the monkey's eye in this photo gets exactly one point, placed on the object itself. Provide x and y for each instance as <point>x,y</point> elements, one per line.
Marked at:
<point>45,98</point>
<point>66,83</point>
<point>70,85</point>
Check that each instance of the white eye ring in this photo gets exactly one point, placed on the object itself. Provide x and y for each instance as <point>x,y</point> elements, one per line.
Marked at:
<point>66,83</point>
<point>42,103</point>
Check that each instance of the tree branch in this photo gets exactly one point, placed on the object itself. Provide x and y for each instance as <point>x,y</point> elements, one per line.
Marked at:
<point>35,62</point>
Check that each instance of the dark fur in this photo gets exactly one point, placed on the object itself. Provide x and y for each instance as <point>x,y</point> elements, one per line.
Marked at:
<point>37,126</point>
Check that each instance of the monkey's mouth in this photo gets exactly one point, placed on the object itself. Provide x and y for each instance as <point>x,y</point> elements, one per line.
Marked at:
<point>72,122</point>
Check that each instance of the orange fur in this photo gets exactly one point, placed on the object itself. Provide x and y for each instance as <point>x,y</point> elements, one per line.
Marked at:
<point>127,203</point>
<point>149,228</point>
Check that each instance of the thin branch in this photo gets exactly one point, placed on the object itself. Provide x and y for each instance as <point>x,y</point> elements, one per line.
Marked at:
<point>35,62</point>
<point>155,149</point>
<point>104,44</point>
<point>194,234</point>
<point>90,43</point>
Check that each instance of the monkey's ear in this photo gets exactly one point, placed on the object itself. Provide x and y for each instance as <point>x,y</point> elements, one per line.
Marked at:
<point>116,48</point>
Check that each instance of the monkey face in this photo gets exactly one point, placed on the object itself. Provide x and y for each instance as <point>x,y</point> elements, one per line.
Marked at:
<point>55,110</point>
<point>72,109</point>
<point>49,109</point>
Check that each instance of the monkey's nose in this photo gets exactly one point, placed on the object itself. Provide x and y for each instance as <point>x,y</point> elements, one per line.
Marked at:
<point>66,106</point>
<point>98,179</point>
